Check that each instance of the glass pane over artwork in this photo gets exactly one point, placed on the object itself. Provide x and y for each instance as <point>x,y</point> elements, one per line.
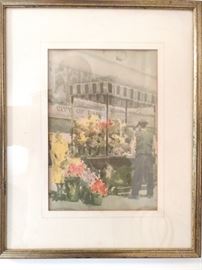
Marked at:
<point>102,129</point>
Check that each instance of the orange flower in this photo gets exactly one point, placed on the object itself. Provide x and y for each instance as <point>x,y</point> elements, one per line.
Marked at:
<point>98,186</point>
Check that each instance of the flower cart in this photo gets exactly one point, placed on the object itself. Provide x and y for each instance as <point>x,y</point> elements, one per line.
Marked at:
<point>104,117</point>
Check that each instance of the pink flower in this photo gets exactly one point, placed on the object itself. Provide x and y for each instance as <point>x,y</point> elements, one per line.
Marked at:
<point>75,169</point>
<point>105,124</point>
<point>88,176</point>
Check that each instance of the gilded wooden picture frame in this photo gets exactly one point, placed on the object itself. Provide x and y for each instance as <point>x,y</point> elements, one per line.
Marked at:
<point>61,197</point>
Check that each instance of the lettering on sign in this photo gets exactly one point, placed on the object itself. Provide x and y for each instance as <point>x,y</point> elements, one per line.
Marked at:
<point>60,111</point>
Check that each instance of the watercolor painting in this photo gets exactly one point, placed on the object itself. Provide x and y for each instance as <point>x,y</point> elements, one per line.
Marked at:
<point>102,121</point>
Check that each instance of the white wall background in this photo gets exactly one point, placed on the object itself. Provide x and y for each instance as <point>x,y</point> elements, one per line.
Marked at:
<point>99,264</point>
<point>140,264</point>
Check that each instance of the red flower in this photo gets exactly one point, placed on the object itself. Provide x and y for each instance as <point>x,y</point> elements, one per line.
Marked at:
<point>98,186</point>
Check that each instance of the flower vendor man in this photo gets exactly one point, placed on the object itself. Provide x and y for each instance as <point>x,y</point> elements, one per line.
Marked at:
<point>144,160</point>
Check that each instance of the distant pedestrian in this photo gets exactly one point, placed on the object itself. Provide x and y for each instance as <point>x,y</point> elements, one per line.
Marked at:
<point>144,160</point>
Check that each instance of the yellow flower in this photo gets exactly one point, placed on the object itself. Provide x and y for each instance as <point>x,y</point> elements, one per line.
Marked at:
<point>82,138</point>
<point>93,119</point>
<point>118,139</point>
<point>83,123</point>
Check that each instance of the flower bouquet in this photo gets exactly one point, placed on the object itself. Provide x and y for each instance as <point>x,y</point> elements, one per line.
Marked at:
<point>89,137</point>
<point>98,190</point>
<point>73,174</point>
<point>83,184</point>
<point>93,189</point>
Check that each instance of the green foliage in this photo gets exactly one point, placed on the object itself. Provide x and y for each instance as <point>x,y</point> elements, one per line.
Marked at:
<point>121,176</point>
<point>85,194</point>
<point>72,188</point>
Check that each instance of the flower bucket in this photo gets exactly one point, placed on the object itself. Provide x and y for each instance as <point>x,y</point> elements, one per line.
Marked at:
<point>96,199</point>
<point>85,194</point>
<point>72,190</point>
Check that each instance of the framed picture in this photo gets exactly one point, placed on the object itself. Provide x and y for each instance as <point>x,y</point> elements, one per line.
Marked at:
<point>100,129</point>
